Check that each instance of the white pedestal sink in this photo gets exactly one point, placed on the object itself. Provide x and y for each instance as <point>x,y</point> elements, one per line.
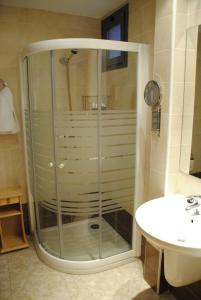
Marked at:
<point>166,223</point>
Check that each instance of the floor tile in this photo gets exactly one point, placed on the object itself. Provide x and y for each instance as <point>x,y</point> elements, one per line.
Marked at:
<point>5,290</point>
<point>25,277</point>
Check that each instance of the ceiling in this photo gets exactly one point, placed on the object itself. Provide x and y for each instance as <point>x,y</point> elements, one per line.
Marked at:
<point>90,8</point>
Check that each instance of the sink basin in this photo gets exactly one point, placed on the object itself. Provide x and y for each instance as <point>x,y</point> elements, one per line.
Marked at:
<point>166,224</point>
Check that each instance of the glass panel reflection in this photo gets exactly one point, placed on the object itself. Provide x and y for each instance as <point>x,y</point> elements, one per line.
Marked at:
<point>118,144</point>
<point>77,152</point>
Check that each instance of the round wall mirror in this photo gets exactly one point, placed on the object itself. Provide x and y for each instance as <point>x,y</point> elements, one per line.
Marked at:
<point>152,93</point>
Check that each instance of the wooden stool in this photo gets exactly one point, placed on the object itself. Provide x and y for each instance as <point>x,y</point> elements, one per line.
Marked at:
<point>12,232</point>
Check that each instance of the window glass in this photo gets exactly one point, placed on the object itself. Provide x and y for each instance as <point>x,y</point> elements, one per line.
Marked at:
<point>115,27</point>
<point>114,33</point>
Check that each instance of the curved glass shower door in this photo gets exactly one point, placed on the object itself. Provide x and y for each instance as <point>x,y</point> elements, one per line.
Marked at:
<point>118,146</point>
<point>76,125</point>
<point>43,150</point>
<point>82,148</point>
<point>95,150</point>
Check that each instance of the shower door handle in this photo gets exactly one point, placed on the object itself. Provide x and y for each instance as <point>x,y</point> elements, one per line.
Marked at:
<point>50,164</point>
<point>61,166</point>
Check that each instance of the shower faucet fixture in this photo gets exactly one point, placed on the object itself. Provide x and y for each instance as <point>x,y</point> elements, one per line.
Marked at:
<point>64,60</point>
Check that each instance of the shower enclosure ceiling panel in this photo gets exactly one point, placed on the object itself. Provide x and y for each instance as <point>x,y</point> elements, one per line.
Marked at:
<point>81,126</point>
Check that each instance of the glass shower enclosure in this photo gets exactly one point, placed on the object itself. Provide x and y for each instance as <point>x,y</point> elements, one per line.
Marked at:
<point>82,150</point>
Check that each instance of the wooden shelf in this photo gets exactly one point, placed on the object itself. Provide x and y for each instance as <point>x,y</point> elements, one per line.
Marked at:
<point>13,242</point>
<point>12,232</point>
<point>9,213</point>
<point>10,192</point>
<point>9,201</point>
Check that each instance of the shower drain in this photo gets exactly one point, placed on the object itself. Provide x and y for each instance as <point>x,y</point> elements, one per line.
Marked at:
<point>94,226</point>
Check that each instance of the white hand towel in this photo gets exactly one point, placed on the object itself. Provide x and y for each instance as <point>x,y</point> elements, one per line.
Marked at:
<point>8,120</point>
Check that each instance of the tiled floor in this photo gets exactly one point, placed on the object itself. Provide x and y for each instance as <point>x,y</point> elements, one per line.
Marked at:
<point>24,277</point>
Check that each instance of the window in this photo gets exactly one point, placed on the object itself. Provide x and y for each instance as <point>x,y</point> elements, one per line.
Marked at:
<point>115,27</point>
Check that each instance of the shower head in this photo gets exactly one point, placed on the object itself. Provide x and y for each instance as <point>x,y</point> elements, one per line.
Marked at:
<point>74,51</point>
<point>65,60</point>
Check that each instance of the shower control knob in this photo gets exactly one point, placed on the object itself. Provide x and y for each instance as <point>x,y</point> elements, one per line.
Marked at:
<point>61,166</point>
<point>50,164</point>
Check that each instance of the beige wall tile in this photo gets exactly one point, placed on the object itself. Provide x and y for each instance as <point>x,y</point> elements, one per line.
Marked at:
<point>162,65</point>
<point>189,94</point>
<point>190,67</point>
<point>137,23</point>
<point>175,129</point>
<point>185,159</point>
<point>182,6</point>
<point>185,184</point>
<point>172,183</point>
<point>156,184</point>
<point>180,30</point>
<point>163,8</point>
<point>174,153</point>
<point>193,5</point>
<point>194,18</point>
<point>142,29</point>
<point>148,15</point>
<point>162,71</point>
<point>178,94</point>
<point>19,27</point>
<point>158,156</point>
<point>179,65</point>
<point>163,33</point>
<point>188,185</point>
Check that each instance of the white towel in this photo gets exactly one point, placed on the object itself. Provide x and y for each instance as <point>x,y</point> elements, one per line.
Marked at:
<point>8,120</point>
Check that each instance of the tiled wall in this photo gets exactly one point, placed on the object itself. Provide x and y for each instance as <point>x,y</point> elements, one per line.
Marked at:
<point>142,22</point>
<point>120,85</point>
<point>19,27</point>
<point>161,73</point>
<point>142,30</point>
<point>172,18</point>
<point>169,62</point>
<point>176,88</point>
<point>188,14</point>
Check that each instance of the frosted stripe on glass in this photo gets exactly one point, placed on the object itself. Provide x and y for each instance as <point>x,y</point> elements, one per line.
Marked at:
<point>76,148</point>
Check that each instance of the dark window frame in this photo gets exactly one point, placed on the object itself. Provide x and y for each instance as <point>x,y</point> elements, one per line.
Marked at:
<point>119,17</point>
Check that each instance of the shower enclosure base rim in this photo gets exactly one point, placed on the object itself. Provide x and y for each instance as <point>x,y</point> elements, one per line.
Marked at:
<point>82,267</point>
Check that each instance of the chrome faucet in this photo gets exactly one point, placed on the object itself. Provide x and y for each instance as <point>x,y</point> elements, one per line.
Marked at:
<point>194,201</point>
